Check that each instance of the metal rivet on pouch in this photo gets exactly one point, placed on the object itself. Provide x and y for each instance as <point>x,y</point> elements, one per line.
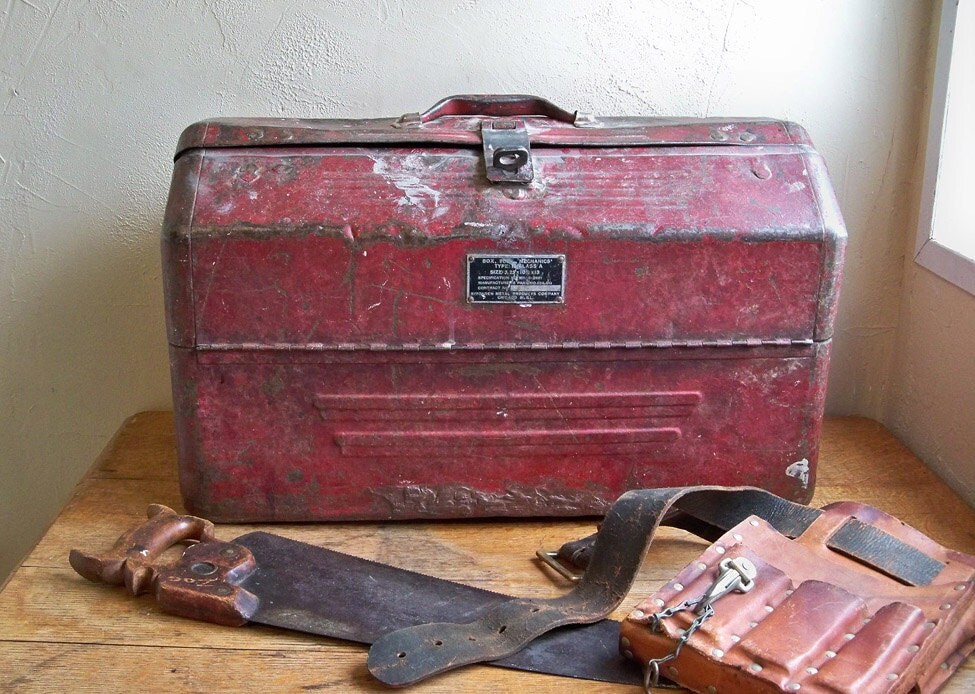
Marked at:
<point>712,689</point>
<point>658,602</point>
<point>753,624</point>
<point>735,638</point>
<point>946,606</point>
<point>678,586</point>
<point>793,686</point>
<point>753,522</point>
<point>222,590</point>
<point>672,670</point>
<point>737,537</point>
<point>719,549</point>
<point>830,654</point>
<point>913,649</point>
<point>628,654</point>
<point>812,670</point>
<point>755,667</point>
<point>625,643</point>
<point>769,608</point>
<point>747,137</point>
<point>638,614</point>
<point>789,592</point>
<point>717,652</point>
<point>929,625</point>
<point>848,636</point>
<point>944,666</point>
<point>892,676</point>
<point>702,566</point>
<point>719,136</point>
<point>960,586</point>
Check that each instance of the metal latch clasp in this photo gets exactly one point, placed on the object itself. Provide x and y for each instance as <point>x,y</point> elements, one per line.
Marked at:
<point>507,153</point>
<point>737,574</point>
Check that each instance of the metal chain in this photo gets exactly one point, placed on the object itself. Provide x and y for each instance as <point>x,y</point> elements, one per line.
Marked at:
<point>651,678</point>
<point>734,575</point>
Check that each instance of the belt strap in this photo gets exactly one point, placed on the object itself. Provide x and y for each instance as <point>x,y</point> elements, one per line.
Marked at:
<point>409,655</point>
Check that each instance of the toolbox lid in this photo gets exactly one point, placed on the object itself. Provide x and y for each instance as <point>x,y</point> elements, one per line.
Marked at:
<point>713,232</point>
<point>457,120</point>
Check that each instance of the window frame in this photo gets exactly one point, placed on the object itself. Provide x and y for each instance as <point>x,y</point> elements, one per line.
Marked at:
<point>928,251</point>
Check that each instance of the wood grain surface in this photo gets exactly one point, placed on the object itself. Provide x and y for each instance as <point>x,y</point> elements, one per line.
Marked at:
<point>59,632</point>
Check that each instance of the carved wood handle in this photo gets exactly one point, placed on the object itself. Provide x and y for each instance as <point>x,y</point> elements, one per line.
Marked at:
<point>204,583</point>
<point>130,561</point>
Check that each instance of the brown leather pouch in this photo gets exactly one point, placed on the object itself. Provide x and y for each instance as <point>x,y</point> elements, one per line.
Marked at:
<point>859,602</point>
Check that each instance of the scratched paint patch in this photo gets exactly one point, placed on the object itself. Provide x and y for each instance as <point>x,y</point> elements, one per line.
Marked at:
<point>406,174</point>
<point>799,470</point>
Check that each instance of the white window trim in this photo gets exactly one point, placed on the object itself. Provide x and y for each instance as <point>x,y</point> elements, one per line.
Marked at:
<point>928,253</point>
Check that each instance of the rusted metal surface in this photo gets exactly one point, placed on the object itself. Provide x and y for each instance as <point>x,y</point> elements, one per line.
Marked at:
<point>312,263</point>
<point>462,130</point>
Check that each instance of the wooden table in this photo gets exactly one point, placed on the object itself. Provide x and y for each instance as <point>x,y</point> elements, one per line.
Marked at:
<point>60,633</point>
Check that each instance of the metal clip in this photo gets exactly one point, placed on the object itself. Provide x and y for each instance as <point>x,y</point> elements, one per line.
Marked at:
<point>736,574</point>
<point>507,151</point>
<point>552,559</point>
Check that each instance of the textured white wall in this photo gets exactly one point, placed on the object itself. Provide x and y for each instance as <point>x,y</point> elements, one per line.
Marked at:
<point>95,92</point>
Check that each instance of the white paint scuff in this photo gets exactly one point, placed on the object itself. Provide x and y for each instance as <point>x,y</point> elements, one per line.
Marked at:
<point>799,470</point>
<point>406,175</point>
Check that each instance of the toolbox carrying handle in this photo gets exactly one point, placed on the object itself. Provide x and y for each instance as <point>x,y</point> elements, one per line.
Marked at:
<point>501,105</point>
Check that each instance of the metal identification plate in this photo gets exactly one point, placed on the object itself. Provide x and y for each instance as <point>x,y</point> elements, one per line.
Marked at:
<point>515,279</point>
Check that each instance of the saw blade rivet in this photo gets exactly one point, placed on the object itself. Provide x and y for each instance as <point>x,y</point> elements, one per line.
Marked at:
<point>203,568</point>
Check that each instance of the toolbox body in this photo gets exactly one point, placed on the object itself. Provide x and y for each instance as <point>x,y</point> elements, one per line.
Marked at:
<point>495,308</point>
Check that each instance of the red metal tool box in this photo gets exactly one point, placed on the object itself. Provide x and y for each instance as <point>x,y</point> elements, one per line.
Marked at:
<point>494,308</point>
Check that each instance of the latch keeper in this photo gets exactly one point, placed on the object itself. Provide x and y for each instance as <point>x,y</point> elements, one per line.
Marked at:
<point>507,153</point>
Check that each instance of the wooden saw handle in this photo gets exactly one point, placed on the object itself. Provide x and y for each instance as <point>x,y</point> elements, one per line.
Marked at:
<point>130,561</point>
<point>204,583</point>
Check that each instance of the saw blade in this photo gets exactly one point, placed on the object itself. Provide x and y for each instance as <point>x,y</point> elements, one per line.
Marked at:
<point>320,591</point>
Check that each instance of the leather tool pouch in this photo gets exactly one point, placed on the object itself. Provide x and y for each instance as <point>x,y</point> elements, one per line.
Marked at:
<point>859,602</point>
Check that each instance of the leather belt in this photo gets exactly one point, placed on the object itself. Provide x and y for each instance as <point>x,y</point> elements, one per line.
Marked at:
<point>613,557</point>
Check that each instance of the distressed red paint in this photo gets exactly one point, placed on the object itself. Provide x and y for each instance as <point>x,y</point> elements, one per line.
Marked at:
<point>328,365</point>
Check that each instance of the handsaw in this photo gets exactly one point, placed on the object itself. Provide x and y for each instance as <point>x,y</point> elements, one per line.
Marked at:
<point>268,579</point>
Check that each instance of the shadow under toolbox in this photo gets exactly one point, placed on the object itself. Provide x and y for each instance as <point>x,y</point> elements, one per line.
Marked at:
<point>494,308</point>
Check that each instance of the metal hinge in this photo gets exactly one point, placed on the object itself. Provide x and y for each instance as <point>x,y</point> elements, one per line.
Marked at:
<point>441,346</point>
<point>507,154</point>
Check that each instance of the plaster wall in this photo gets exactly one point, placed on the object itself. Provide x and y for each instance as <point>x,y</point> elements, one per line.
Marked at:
<point>931,403</point>
<point>95,92</point>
